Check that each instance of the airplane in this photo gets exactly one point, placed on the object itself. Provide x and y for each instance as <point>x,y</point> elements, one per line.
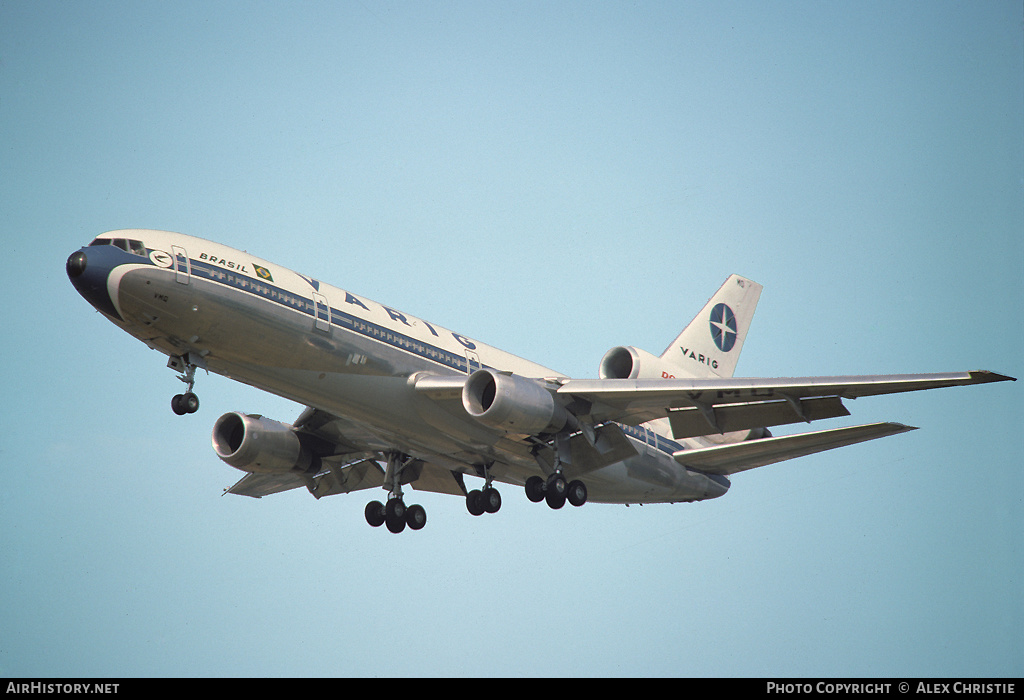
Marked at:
<point>393,400</point>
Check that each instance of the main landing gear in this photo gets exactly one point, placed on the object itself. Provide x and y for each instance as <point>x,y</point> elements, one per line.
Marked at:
<point>485,500</point>
<point>556,491</point>
<point>395,514</point>
<point>187,402</point>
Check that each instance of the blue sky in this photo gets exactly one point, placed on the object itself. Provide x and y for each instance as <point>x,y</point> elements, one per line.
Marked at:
<point>554,179</point>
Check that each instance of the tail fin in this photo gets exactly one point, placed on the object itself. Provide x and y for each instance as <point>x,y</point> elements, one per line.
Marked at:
<point>710,346</point>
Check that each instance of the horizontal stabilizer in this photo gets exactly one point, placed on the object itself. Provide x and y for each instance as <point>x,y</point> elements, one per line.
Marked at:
<point>740,456</point>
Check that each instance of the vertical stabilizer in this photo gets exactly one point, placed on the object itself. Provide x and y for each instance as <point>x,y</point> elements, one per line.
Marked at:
<point>710,346</point>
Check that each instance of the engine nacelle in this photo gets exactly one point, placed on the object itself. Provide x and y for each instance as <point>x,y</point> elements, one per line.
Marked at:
<point>633,363</point>
<point>512,403</point>
<point>258,444</point>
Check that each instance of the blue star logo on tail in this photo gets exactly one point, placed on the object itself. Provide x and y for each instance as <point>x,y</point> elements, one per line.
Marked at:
<point>723,327</point>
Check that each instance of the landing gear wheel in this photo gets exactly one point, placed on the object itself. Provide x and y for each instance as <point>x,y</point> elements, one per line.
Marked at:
<point>374,513</point>
<point>190,402</point>
<point>475,502</point>
<point>535,489</point>
<point>555,491</point>
<point>416,517</point>
<point>577,493</point>
<point>555,500</point>
<point>185,403</point>
<point>491,499</point>
<point>394,515</point>
<point>176,405</point>
<point>556,484</point>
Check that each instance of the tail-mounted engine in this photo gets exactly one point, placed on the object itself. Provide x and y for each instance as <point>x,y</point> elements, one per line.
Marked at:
<point>633,363</point>
<point>512,403</point>
<point>258,444</point>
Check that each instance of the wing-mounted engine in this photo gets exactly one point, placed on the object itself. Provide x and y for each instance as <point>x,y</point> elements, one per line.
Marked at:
<point>627,362</point>
<point>258,444</point>
<point>513,403</point>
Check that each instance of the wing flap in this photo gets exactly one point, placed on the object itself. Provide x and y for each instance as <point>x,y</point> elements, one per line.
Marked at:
<point>740,456</point>
<point>437,479</point>
<point>366,474</point>
<point>260,485</point>
<point>692,422</point>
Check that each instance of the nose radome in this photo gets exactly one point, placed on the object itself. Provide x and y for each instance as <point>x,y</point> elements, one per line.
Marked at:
<point>76,264</point>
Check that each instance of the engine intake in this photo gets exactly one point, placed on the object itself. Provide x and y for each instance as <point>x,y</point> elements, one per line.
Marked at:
<point>512,403</point>
<point>627,362</point>
<point>258,444</point>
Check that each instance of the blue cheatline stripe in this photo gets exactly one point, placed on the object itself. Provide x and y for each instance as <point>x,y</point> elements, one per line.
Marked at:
<point>347,321</point>
<point>664,444</point>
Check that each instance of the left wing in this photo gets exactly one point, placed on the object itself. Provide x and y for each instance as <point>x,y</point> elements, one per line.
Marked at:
<point>695,406</point>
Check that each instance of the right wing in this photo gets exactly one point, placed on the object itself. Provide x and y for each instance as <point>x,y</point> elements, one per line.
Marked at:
<point>706,406</point>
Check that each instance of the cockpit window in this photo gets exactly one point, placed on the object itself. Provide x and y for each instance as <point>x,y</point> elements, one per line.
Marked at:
<point>129,245</point>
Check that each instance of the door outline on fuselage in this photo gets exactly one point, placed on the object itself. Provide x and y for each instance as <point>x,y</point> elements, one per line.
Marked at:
<point>472,361</point>
<point>322,312</point>
<point>181,276</point>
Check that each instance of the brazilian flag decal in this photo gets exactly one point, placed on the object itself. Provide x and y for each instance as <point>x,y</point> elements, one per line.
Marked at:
<point>263,273</point>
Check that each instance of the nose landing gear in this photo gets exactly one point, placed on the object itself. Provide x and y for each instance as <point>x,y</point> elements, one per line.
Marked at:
<point>187,402</point>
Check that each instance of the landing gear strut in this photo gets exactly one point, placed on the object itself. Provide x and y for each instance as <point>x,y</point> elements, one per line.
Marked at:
<point>187,402</point>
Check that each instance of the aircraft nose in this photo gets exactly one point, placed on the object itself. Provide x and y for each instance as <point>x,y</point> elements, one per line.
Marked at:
<point>76,264</point>
<point>89,273</point>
